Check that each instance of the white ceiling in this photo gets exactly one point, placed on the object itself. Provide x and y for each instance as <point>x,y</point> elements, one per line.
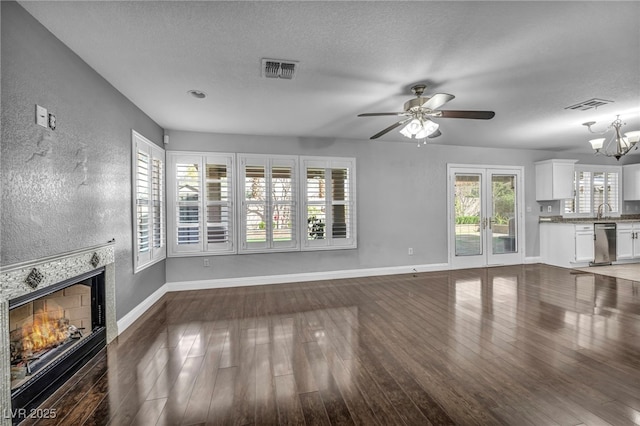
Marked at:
<point>526,61</point>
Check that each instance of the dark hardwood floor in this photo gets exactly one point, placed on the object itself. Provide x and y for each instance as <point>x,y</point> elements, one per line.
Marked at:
<point>518,345</point>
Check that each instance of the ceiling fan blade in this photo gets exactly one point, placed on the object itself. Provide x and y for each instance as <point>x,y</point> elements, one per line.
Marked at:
<point>388,129</point>
<point>478,115</point>
<point>437,100</point>
<point>377,114</point>
<point>435,134</point>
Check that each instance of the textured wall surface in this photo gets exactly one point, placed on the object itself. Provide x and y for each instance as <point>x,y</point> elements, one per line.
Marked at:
<point>70,188</point>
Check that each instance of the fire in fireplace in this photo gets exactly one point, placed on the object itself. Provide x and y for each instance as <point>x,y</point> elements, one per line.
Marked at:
<point>52,333</point>
<point>42,328</point>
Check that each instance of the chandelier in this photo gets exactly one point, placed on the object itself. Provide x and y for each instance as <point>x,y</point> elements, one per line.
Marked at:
<point>615,145</point>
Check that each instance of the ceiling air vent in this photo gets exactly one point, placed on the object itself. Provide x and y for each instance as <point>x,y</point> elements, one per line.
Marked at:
<point>278,68</point>
<point>591,103</point>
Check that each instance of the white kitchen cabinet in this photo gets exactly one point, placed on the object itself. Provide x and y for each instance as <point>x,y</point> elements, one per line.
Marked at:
<point>554,179</point>
<point>566,244</point>
<point>628,241</point>
<point>631,182</point>
<point>584,246</point>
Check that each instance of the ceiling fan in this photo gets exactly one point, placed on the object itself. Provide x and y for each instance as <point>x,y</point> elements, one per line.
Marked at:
<point>418,113</point>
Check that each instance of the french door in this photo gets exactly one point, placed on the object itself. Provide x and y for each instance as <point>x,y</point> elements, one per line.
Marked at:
<point>485,216</point>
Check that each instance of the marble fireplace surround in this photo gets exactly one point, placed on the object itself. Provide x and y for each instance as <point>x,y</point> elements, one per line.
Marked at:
<point>53,269</point>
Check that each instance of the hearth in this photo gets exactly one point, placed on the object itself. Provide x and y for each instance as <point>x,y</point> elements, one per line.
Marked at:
<point>53,331</point>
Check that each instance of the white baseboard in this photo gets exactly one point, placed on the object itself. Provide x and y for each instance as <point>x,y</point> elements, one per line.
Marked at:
<point>309,276</point>
<point>533,259</point>
<point>133,315</point>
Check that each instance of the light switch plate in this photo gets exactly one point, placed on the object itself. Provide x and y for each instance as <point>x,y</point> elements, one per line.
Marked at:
<point>42,119</point>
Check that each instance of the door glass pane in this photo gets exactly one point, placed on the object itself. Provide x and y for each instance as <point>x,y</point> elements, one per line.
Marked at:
<point>467,215</point>
<point>503,221</point>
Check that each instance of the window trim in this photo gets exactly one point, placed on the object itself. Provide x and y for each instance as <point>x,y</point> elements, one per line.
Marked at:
<point>154,152</point>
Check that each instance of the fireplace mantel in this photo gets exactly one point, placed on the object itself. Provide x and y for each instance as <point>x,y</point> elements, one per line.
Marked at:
<point>26,277</point>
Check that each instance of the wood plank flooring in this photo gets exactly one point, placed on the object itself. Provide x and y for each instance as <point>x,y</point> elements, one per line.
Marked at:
<point>517,345</point>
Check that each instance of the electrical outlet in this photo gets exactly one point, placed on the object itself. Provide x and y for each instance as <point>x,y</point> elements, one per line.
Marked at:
<point>205,263</point>
<point>410,251</point>
<point>42,119</point>
<point>548,209</point>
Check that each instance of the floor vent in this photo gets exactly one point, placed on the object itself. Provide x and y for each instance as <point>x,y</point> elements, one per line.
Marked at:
<point>278,68</point>
<point>589,104</point>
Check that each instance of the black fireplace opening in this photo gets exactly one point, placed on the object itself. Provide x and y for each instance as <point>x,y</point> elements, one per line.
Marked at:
<point>53,332</point>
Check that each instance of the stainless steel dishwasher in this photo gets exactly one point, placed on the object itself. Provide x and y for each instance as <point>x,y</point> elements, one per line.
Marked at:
<point>604,244</point>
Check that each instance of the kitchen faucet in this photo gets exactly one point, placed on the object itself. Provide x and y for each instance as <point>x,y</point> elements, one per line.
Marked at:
<point>600,209</point>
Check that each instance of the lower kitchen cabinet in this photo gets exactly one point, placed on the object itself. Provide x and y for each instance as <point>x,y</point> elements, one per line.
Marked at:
<point>628,240</point>
<point>566,244</point>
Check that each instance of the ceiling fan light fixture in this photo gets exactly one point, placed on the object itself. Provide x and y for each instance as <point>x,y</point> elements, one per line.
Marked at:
<point>419,129</point>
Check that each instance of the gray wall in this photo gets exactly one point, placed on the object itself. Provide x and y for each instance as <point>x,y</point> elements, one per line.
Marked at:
<point>402,203</point>
<point>69,188</point>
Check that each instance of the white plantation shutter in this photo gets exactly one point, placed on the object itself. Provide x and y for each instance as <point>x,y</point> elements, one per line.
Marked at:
<point>158,202</point>
<point>143,197</point>
<point>613,191</point>
<point>285,203</point>
<point>219,203</point>
<point>268,191</point>
<point>188,188</point>
<point>201,199</point>
<point>149,202</point>
<point>329,194</point>
<point>585,189</point>
<point>593,187</point>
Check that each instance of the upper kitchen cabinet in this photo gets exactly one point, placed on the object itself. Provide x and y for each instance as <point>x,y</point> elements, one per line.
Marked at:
<point>554,179</point>
<point>631,182</point>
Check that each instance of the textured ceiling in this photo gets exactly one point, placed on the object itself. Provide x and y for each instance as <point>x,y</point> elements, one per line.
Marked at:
<point>526,61</point>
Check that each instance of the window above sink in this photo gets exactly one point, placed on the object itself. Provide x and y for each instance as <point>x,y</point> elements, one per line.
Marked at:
<point>597,192</point>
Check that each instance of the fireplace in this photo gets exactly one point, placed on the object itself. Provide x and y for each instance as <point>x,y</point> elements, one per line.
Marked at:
<point>55,314</point>
<point>52,333</point>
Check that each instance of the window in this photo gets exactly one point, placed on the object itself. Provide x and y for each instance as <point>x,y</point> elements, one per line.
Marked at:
<point>149,202</point>
<point>285,203</point>
<point>269,191</point>
<point>329,203</point>
<point>595,187</point>
<point>201,197</point>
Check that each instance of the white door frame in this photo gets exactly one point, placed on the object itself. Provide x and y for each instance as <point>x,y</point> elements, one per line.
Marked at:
<point>487,258</point>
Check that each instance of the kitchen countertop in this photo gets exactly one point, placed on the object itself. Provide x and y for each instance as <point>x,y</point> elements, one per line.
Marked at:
<point>559,219</point>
